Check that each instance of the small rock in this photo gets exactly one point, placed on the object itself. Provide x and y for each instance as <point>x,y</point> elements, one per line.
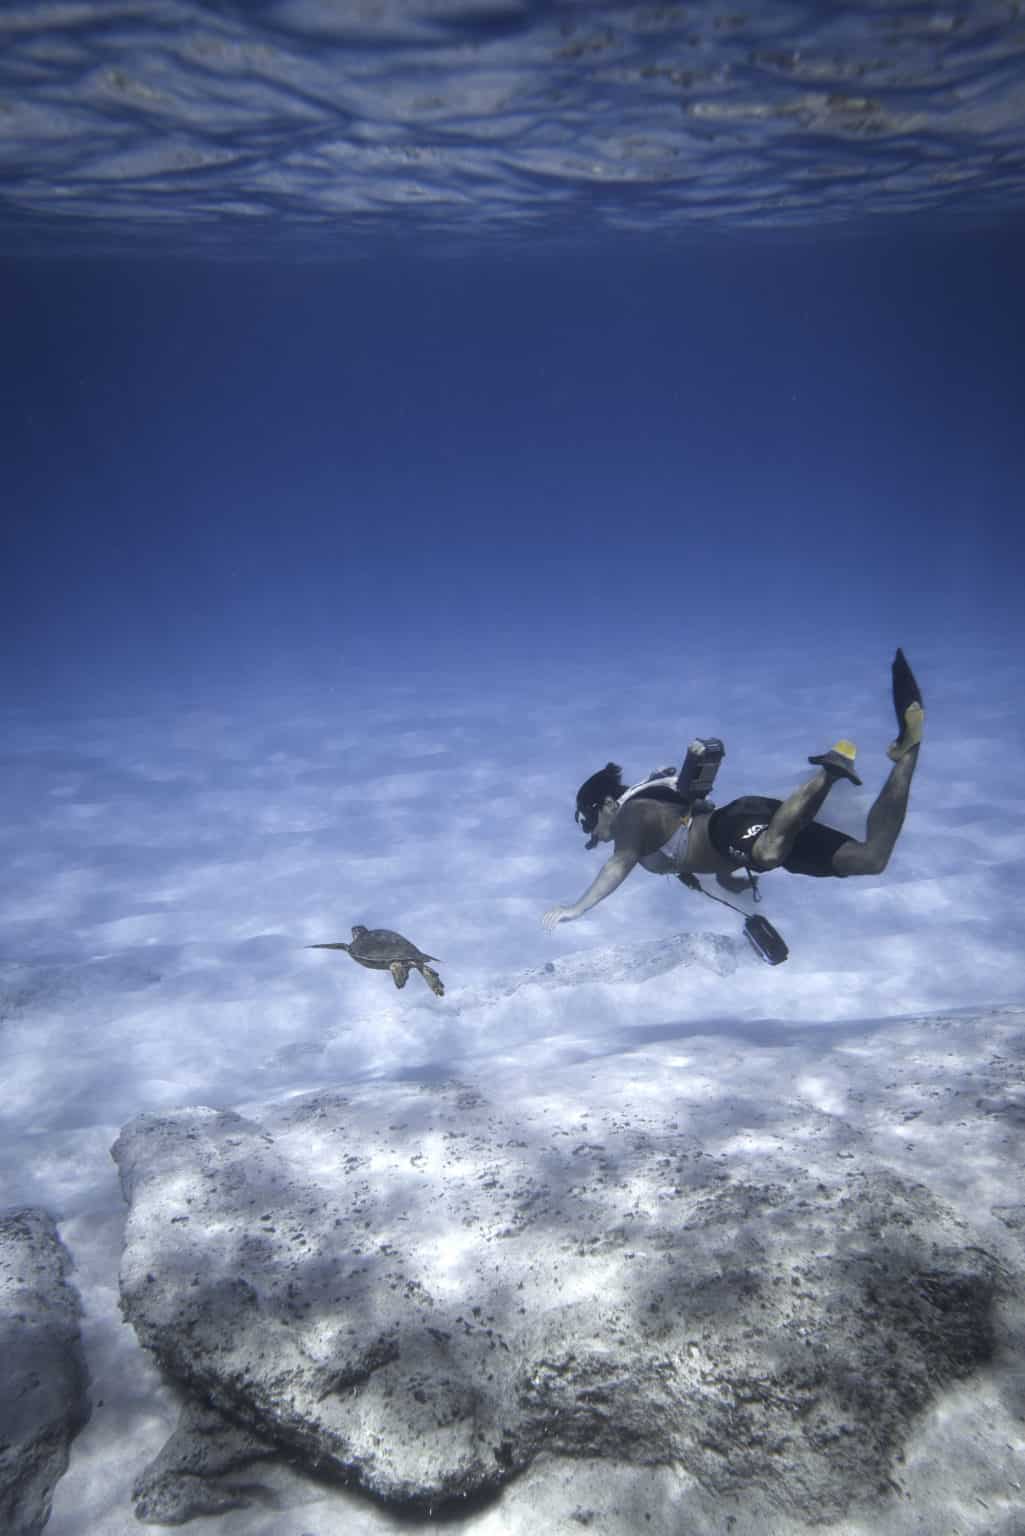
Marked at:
<point>43,1402</point>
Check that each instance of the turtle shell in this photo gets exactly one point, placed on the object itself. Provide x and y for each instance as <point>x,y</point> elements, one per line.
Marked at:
<point>380,946</point>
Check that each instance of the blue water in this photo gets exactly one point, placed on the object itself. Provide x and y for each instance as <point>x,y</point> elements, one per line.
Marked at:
<point>224,476</point>
<point>342,340</point>
<point>343,540</point>
<point>299,125</point>
<point>345,536</point>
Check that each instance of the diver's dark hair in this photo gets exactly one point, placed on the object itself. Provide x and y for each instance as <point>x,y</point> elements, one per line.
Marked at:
<point>607,781</point>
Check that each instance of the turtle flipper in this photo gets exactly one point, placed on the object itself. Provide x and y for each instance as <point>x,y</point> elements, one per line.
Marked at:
<point>328,946</point>
<point>433,980</point>
<point>907,704</point>
<point>400,972</point>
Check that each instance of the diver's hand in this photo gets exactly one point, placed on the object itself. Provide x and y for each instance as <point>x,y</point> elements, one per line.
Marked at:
<point>690,881</point>
<point>557,915</point>
<point>735,884</point>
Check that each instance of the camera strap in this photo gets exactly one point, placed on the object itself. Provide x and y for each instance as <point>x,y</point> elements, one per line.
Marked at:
<point>767,942</point>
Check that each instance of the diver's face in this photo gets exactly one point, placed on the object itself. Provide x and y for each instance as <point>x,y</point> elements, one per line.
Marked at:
<point>606,821</point>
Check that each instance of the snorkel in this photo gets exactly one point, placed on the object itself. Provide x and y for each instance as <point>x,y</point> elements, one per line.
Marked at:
<point>587,818</point>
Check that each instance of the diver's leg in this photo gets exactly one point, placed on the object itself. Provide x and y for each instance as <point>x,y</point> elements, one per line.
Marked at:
<point>772,846</point>
<point>885,820</point>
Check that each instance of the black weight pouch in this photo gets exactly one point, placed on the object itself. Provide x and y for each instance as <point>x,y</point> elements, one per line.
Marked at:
<point>764,939</point>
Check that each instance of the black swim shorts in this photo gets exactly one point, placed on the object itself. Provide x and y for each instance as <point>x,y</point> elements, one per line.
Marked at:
<point>733,829</point>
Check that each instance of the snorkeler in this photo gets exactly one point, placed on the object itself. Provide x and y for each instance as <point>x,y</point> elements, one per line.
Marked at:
<point>652,824</point>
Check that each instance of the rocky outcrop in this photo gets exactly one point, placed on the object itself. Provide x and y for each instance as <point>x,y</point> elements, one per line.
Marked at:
<point>416,1292</point>
<point>206,1468</point>
<point>43,1403</point>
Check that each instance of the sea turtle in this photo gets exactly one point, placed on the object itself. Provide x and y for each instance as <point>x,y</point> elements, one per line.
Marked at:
<point>382,949</point>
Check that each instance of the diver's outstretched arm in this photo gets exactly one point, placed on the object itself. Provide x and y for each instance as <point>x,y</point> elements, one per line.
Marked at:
<point>611,875</point>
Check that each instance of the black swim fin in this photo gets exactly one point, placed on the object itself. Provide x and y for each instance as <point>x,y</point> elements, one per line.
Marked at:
<point>905,689</point>
<point>906,694</point>
<point>839,761</point>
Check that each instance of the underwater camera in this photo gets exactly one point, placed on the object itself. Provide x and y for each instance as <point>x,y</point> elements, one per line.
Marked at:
<point>700,767</point>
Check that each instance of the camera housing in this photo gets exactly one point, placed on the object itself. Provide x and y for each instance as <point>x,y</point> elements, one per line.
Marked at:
<point>700,767</point>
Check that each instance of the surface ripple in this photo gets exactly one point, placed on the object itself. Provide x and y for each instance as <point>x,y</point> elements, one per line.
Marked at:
<point>216,127</point>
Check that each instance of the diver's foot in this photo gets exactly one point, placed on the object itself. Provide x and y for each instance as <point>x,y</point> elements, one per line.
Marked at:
<point>911,735</point>
<point>838,761</point>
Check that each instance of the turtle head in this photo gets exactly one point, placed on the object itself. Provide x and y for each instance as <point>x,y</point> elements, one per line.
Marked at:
<point>358,930</point>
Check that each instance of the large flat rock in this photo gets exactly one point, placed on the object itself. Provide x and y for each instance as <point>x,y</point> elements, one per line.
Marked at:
<point>418,1291</point>
<point>43,1401</point>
